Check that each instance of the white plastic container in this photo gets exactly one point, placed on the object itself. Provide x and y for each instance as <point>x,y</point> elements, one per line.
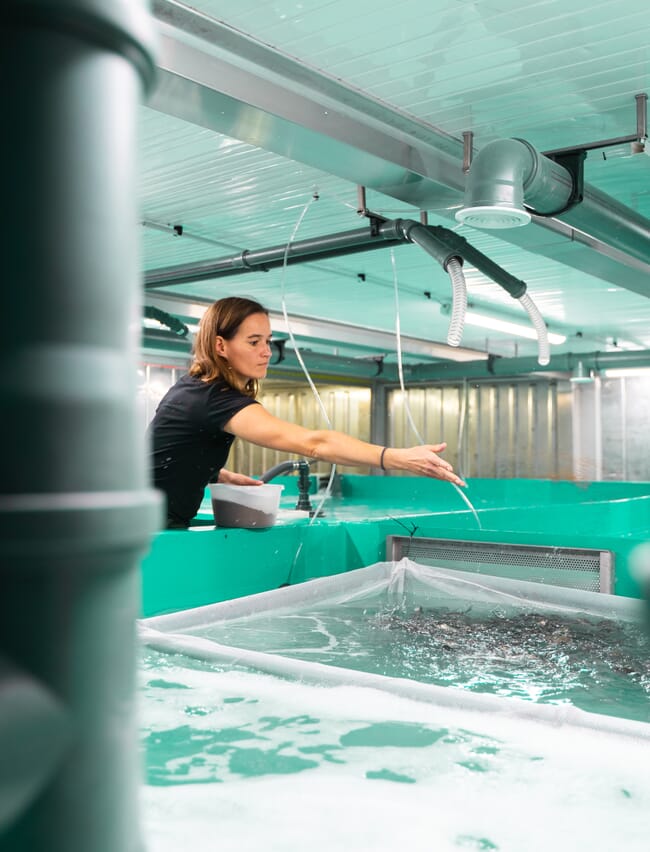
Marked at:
<point>250,507</point>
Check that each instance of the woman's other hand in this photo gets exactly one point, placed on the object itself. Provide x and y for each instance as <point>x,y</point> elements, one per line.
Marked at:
<point>226,477</point>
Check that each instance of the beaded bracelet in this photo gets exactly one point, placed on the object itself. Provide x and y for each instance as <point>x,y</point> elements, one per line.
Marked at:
<point>381,459</point>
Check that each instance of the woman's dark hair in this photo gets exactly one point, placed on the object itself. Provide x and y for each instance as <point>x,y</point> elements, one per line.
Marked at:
<point>222,319</point>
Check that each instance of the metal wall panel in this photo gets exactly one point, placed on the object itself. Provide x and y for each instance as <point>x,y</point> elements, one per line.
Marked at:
<point>625,406</point>
<point>564,446</point>
<point>154,380</point>
<point>492,429</point>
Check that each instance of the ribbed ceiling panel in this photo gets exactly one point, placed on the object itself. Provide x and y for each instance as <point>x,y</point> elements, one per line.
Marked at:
<point>552,72</point>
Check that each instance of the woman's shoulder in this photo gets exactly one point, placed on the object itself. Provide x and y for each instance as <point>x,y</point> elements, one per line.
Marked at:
<point>199,384</point>
<point>184,384</point>
<point>219,386</point>
<point>214,390</point>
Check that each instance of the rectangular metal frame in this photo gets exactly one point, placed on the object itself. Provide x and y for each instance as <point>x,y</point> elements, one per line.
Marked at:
<point>469,552</point>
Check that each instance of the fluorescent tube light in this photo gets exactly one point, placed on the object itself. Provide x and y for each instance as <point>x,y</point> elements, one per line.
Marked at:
<point>484,321</point>
<point>622,372</point>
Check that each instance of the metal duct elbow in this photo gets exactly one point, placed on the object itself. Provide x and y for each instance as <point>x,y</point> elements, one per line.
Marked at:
<point>505,177</point>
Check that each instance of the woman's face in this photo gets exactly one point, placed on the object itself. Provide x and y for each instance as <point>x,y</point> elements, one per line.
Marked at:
<point>249,351</point>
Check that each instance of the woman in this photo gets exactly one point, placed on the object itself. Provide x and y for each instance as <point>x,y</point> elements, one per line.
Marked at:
<point>200,416</point>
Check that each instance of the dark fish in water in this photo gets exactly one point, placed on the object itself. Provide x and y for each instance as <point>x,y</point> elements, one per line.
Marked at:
<point>544,645</point>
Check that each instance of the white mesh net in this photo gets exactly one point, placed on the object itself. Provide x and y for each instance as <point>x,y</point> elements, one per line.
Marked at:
<point>447,637</point>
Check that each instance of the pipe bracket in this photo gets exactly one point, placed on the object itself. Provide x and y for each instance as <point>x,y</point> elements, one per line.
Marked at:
<point>376,222</point>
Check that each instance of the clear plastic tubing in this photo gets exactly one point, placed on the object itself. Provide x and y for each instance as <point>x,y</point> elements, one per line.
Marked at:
<point>400,371</point>
<point>319,400</point>
<point>459,302</point>
<point>543,346</point>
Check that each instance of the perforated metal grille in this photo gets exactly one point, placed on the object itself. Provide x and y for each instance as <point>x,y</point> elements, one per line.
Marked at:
<point>574,568</point>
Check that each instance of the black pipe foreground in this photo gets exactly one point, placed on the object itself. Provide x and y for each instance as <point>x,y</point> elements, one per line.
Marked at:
<point>76,512</point>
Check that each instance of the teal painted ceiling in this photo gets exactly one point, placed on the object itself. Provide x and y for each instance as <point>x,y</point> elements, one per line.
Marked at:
<point>379,94</point>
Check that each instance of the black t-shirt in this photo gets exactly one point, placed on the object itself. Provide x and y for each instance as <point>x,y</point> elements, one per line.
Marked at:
<point>188,444</point>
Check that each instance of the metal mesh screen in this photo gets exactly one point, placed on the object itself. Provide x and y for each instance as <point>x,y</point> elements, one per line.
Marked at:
<point>574,568</point>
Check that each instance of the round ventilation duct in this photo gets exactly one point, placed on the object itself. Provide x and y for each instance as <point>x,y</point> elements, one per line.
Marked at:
<point>506,177</point>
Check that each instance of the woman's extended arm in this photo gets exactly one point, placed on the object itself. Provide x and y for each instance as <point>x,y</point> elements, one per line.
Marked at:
<point>254,423</point>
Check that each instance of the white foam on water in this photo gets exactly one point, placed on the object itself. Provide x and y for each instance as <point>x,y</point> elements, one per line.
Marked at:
<point>355,815</point>
<point>460,779</point>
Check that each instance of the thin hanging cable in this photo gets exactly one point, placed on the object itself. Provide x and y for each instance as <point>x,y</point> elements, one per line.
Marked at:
<point>543,346</point>
<point>458,302</point>
<point>407,407</point>
<point>398,341</point>
<point>461,429</point>
<point>285,314</point>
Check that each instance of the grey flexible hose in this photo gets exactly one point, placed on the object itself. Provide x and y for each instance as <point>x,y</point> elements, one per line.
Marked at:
<point>459,302</point>
<point>543,346</point>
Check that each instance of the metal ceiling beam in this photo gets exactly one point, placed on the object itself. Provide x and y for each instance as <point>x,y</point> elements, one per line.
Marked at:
<point>157,343</point>
<point>215,77</point>
<point>236,86</point>
<point>469,363</point>
<point>496,367</point>
<point>372,341</point>
<point>373,368</point>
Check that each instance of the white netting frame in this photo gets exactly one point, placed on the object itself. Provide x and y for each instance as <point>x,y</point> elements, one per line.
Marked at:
<point>395,579</point>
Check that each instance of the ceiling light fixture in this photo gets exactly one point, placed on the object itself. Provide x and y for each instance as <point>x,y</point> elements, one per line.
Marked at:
<point>508,327</point>
<point>627,372</point>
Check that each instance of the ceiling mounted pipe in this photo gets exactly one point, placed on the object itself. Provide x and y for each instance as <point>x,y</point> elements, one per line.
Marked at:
<point>161,340</point>
<point>261,260</point>
<point>377,235</point>
<point>429,238</point>
<point>176,326</point>
<point>505,177</point>
<point>287,360</point>
<point>441,243</point>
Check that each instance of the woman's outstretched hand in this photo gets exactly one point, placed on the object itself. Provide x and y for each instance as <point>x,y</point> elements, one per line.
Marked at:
<point>423,460</point>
